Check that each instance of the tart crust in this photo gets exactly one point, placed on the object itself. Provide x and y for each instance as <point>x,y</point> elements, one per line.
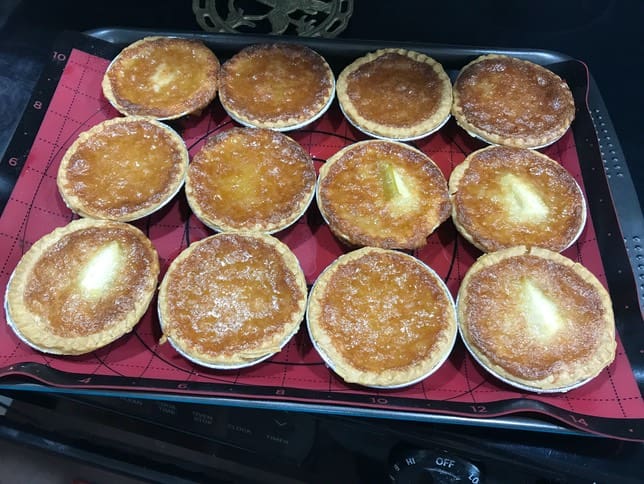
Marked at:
<point>536,319</point>
<point>82,286</point>
<point>162,77</point>
<point>232,299</point>
<point>123,169</point>
<point>276,86</point>
<point>395,94</point>
<point>503,197</point>
<point>383,194</point>
<point>261,180</point>
<point>381,318</point>
<point>512,102</point>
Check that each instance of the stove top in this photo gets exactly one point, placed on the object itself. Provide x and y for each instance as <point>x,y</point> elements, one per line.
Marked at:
<point>167,441</point>
<point>249,445</point>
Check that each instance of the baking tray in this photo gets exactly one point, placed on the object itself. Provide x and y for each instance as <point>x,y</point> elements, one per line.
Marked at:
<point>68,101</point>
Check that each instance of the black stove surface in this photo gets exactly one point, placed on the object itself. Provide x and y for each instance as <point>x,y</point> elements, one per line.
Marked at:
<point>243,445</point>
<point>194,443</point>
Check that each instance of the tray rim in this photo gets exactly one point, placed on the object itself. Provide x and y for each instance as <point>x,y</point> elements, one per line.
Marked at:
<point>508,422</point>
<point>118,35</point>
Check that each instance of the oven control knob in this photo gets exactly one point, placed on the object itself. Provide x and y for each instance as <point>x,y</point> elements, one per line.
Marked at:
<point>422,466</point>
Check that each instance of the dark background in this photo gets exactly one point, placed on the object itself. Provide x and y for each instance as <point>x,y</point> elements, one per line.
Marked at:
<point>603,33</point>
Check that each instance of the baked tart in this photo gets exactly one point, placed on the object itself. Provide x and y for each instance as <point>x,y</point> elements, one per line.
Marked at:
<point>123,169</point>
<point>250,179</point>
<point>82,286</point>
<point>503,196</point>
<point>395,94</point>
<point>232,299</point>
<point>508,101</point>
<point>381,318</point>
<point>382,194</point>
<point>277,86</point>
<point>536,319</point>
<point>162,77</point>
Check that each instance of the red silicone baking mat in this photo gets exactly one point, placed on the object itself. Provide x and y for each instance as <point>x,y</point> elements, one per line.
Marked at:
<point>611,404</point>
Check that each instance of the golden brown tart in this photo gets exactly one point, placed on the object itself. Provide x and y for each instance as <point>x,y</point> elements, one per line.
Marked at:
<point>395,94</point>
<point>502,197</point>
<point>250,179</point>
<point>536,319</point>
<point>162,77</point>
<point>232,299</point>
<point>82,286</point>
<point>383,194</point>
<point>123,169</point>
<point>382,318</point>
<point>277,86</point>
<point>513,102</point>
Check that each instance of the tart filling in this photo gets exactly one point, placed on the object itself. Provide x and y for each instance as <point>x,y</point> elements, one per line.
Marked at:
<point>232,299</point>
<point>250,179</point>
<point>277,86</point>
<point>383,194</point>
<point>513,102</point>
<point>82,286</point>
<point>381,318</point>
<point>123,169</point>
<point>162,77</point>
<point>503,197</point>
<point>536,319</point>
<point>395,94</point>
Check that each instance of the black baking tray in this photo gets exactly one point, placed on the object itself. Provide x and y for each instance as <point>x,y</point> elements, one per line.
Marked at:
<point>611,196</point>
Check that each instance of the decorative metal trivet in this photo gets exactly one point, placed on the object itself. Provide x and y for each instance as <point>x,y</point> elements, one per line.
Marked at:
<point>306,18</point>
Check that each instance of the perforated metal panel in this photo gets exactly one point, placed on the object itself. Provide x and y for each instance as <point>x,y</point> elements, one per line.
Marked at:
<point>624,195</point>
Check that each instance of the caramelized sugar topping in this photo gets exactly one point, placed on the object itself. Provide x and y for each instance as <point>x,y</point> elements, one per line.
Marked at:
<point>532,316</point>
<point>383,194</point>
<point>514,98</point>
<point>164,77</point>
<point>105,273</point>
<point>243,177</point>
<point>395,90</point>
<point>123,168</point>
<point>512,196</point>
<point>230,294</point>
<point>384,311</point>
<point>274,82</point>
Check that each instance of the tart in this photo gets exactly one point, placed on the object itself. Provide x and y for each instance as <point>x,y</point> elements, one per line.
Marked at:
<point>123,169</point>
<point>536,319</point>
<point>277,86</point>
<point>232,299</point>
<point>508,101</point>
<point>503,196</point>
<point>250,179</point>
<point>382,194</point>
<point>82,286</point>
<point>381,318</point>
<point>395,94</point>
<point>162,77</point>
